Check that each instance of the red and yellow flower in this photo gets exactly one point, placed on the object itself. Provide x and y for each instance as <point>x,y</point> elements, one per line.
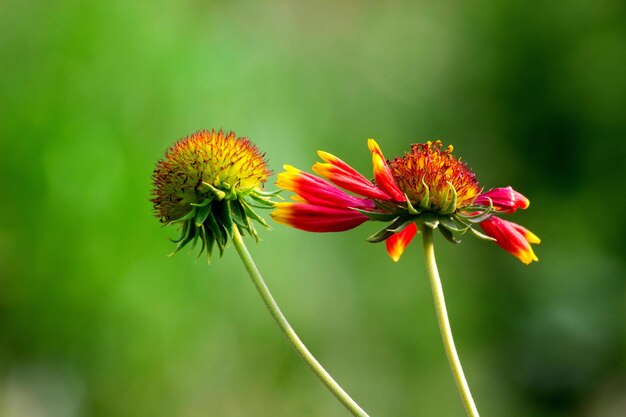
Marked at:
<point>427,187</point>
<point>208,182</point>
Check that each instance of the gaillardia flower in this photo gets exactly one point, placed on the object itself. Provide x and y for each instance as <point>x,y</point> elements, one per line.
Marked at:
<point>207,182</point>
<point>427,187</point>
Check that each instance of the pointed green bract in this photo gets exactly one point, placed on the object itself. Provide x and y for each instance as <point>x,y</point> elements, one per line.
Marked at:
<point>451,224</point>
<point>445,232</point>
<point>378,216</point>
<point>211,221</point>
<point>409,206</point>
<point>450,207</point>
<point>430,219</point>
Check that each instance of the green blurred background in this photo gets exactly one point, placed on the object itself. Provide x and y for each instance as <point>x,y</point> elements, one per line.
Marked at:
<point>96,321</point>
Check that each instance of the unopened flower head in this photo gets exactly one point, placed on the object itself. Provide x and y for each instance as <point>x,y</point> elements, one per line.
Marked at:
<point>427,187</point>
<point>207,182</point>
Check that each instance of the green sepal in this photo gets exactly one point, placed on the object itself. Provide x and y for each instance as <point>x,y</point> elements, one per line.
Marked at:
<point>215,230</point>
<point>253,215</point>
<point>187,216</point>
<point>239,216</point>
<point>483,212</point>
<point>479,218</point>
<point>190,233</point>
<point>202,203</point>
<point>215,214</point>
<point>448,235</point>
<point>398,228</point>
<point>376,215</point>
<point>264,202</point>
<point>397,225</point>
<point>183,233</point>
<point>206,187</point>
<point>202,212</point>
<point>210,242</point>
<point>202,235</point>
<point>481,235</point>
<point>224,217</point>
<point>451,224</point>
<point>451,206</point>
<point>268,193</point>
<point>379,236</point>
<point>430,219</point>
<point>409,206</point>
<point>196,235</point>
<point>383,234</point>
<point>254,204</point>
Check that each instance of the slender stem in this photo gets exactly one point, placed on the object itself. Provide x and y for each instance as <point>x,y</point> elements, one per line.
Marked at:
<point>444,324</point>
<point>284,325</point>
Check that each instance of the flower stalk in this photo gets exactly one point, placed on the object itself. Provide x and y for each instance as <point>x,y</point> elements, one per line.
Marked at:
<point>444,323</point>
<point>210,183</point>
<point>286,328</point>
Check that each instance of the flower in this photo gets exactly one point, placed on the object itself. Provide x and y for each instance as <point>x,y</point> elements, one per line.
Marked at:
<point>427,187</point>
<point>207,182</point>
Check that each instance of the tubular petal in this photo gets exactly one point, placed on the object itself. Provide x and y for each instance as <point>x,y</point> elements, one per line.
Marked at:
<point>315,190</point>
<point>530,236</point>
<point>314,218</point>
<point>399,241</point>
<point>382,173</point>
<point>504,199</point>
<point>355,183</point>
<point>333,160</point>
<point>511,237</point>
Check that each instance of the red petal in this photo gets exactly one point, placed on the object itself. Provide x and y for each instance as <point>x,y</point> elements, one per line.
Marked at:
<point>504,199</point>
<point>314,218</point>
<point>315,190</point>
<point>511,237</point>
<point>349,179</point>
<point>399,241</point>
<point>382,173</point>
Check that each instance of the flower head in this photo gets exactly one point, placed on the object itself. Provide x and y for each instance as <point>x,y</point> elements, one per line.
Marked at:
<point>207,182</point>
<point>427,187</point>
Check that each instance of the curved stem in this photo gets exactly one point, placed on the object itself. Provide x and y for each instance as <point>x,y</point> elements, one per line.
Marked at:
<point>444,324</point>
<point>291,335</point>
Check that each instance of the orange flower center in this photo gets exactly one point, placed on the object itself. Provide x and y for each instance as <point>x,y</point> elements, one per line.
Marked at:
<point>427,165</point>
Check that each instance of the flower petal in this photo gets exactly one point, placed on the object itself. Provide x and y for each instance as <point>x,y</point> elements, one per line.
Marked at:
<point>399,241</point>
<point>382,173</point>
<point>315,190</point>
<point>314,218</point>
<point>342,174</point>
<point>504,199</point>
<point>511,237</point>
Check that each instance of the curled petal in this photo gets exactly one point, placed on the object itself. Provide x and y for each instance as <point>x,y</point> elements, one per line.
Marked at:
<point>504,199</point>
<point>511,237</point>
<point>399,241</point>
<point>342,174</point>
<point>333,160</point>
<point>314,218</point>
<point>382,173</point>
<point>315,190</point>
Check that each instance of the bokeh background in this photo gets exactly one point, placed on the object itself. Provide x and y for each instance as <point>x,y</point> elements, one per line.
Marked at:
<point>96,320</point>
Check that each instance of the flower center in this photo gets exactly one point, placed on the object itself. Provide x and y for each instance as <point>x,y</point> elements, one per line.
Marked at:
<point>206,162</point>
<point>427,170</point>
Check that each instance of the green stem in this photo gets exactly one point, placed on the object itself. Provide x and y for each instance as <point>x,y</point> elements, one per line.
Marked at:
<point>291,335</point>
<point>444,324</point>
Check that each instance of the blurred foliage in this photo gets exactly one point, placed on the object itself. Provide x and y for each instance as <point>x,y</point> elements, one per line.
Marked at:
<point>96,321</point>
